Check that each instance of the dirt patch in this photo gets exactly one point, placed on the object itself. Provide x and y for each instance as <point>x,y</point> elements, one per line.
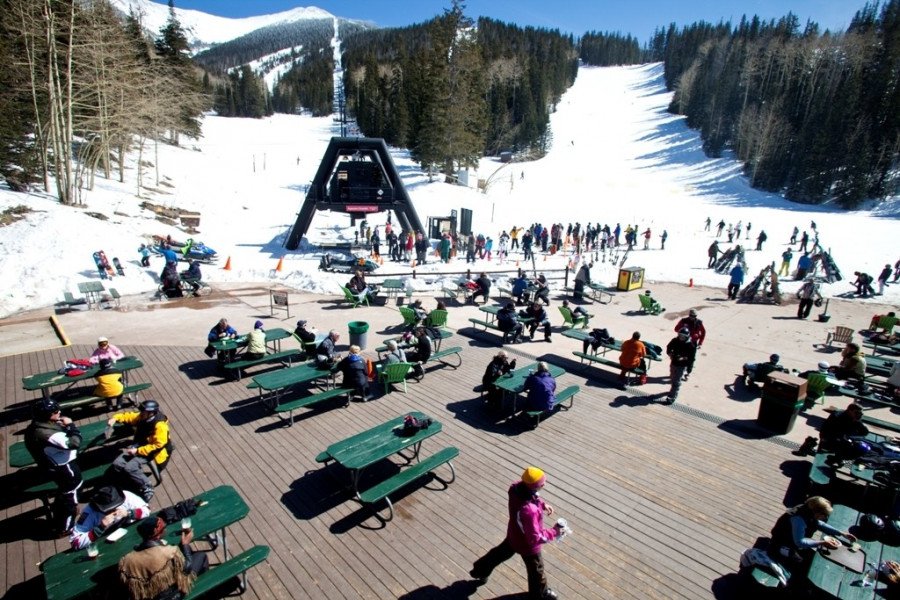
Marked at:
<point>13,214</point>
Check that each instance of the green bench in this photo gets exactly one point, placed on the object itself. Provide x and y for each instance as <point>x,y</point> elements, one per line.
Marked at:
<point>92,435</point>
<point>881,423</point>
<point>442,354</point>
<point>450,293</point>
<point>567,394</point>
<point>382,490</point>
<point>239,365</point>
<point>504,291</point>
<point>766,578</point>
<point>489,325</point>
<point>46,489</point>
<point>70,301</point>
<point>234,566</point>
<point>290,407</point>
<point>88,400</point>
<point>609,363</point>
<point>114,295</point>
<point>821,473</point>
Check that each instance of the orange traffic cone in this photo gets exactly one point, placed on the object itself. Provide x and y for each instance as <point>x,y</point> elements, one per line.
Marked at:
<point>280,266</point>
<point>227,264</point>
<point>691,282</point>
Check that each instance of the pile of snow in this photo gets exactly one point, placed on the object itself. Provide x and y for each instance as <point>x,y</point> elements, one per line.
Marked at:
<point>617,157</point>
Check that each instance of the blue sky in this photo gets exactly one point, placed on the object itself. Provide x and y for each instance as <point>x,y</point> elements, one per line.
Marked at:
<point>638,17</point>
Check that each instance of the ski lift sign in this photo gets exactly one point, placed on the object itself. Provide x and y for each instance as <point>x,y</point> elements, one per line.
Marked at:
<point>278,300</point>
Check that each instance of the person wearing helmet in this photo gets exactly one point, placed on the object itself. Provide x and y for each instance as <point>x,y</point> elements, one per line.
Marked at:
<point>792,544</point>
<point>525,534</point>
<point>755,373</point>
<point>697,334</point>
<point>840,426</point>
<point>151,442</point>
<point>105,350</point>
<point>109,384</point>
<point>53,442</point>
<point>108,509</point>
<point>681,352</point>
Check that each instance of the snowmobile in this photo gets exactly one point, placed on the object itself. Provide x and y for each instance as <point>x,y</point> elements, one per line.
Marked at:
<point>346,265</point>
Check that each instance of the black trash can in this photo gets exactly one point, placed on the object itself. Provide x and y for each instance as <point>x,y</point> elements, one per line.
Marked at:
<point>778,414</point>
<point>358,333</point>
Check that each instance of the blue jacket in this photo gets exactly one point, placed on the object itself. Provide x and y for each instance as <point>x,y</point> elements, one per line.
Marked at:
<point>541,388</point>
<point>737,275</point>
<point>169,255</point>
<point>214,332</point>
<point>805,262</point>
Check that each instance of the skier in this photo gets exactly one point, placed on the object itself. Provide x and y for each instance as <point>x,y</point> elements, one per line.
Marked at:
<point>749,225</point>
<point>883,279</point>
<point>808,294</point>
<point>145,255</point>
<point>804,240</point>
<point>786,257</point>
<point>737,229</point>
<point>662,239</point>
<point>863,284</point>
<point>794,235</point>
<point>730,233</point>
<point>737,280</point>
<point>713,254</point>
<point>681,352</point>
<point>708,223</point>
<point>803,266</point>
<point>720,226</point>
<point>762,237</point>
<point>896,271</point>
<point>646,235</point>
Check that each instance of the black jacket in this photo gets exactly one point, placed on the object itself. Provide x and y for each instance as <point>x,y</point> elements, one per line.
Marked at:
<point>682,352</point>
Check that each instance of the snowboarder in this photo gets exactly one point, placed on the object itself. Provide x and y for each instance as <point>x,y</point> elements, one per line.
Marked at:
<point>762,237</point>
<point>737,229</point>
<point>737,280</point>
<point>730,233</point>
<point>713,254</point>
<point>708,223</point>
<point>786,257</point>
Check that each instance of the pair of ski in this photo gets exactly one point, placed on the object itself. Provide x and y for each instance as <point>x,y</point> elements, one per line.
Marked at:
<point>107,270</point>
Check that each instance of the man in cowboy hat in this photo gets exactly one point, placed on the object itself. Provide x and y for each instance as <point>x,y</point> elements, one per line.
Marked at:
<point>107,509</point>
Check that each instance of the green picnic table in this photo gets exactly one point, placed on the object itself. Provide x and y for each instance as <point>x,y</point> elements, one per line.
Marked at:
<point>444,334</point>
<point>72,574</point>
<point>376,444</point>
<point>879,365</point>
<point>393,287</point>
<point>654,352</point>
<point>92,435</point>
<point>92,290</point>
<point>493,309</point>
<point>45,381</point>
<point>273,337</point>
<point>840,581</point>
<point>276,382</point>
<point>513,383</point>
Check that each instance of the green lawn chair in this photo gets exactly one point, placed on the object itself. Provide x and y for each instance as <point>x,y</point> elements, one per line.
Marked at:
<point>570,320</point>
<point>886,324</point>
<point>650,305</point>
<point>395,373</point>
<point>409,316</point>
<point>353,298</point>
<point>437,318</point>
<point>816,384</point>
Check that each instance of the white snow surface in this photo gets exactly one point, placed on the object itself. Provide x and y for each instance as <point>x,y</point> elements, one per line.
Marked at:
<point>617,157</point>
<point>204,29</point>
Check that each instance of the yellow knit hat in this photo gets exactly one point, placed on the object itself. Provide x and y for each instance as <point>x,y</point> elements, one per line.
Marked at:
<point>534,478</point>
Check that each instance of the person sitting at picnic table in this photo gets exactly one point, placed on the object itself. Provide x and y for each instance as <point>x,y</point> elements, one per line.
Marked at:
<point>420,354</point>
<point>542,289</point>
<point>632,357</point>
<point>500,365</point>
<point>841,425</point>
<point>484,289</point>
<point>595,338</point>
<point>105,350</point>
<point>394,354</point>
<point>53,441</point>
<point>221,331</point>
<point>256,342</point>
<point>306,336</point>
<point>755,373</point>
<point>151,442</point>
<point>852,365</point>
<point>792,544</point>
<point>418,312</point>
<point>577,311</point>
<point>541,389</point>
<point>108,509</point>
<point>353,368</point>
<point>193,275</point>
<point>508,322</point>
<point>539,318</point>
<point>109,384</point>
<point>156,570</point>
<point>358,286</point>
<point>519,285</point>
<point>325,354</point>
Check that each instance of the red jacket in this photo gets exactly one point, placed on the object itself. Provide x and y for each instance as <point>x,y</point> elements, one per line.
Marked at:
<point>695,326</point>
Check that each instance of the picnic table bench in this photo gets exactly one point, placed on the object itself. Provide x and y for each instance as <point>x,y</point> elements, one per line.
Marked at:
<point>273,341</point>
<point>886,348</point>
<point>92,399</point>
<point>597,292</point>
<point>600,359</point>
<point>879,365</point>
<point>312,399</point>
<point>276,382</point>
<point>45,381</point>
<point>564,401</point>
<point>374,445</point>
<point>513,383</point>
<point>92,291</point>
<point>654,352</point>
<point>68,575</point>
<point>233,567</point>
<point>393,287</point>
<point>285,357</point>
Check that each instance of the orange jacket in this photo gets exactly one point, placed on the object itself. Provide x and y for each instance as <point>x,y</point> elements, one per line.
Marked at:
<point>632,353</point>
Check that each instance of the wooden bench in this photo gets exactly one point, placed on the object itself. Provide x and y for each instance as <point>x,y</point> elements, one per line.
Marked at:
<point>567,394</point>
<point>290,407</point>
<point>238,365</point>
<point>233,567</point>
<point>87,400</point>
<point>609,363</point>
<point>406,476</point>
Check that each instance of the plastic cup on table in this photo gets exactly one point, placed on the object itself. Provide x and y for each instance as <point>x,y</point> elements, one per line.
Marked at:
<point>92,551</point>
<point>185,523</point>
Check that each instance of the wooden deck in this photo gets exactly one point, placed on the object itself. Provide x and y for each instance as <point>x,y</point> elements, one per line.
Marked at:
<point>661,500</point>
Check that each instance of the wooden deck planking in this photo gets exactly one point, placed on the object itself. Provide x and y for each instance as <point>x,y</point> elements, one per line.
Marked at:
<point>662,502</point>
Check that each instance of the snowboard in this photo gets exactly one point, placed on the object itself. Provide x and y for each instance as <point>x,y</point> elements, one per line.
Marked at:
<point>106,271</point>
<point>118,265</point>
